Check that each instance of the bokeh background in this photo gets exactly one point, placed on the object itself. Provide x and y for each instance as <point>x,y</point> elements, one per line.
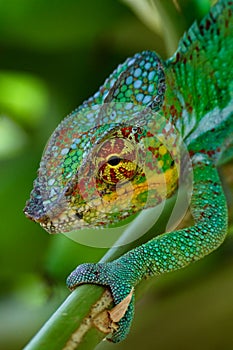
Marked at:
<point>53,55</point>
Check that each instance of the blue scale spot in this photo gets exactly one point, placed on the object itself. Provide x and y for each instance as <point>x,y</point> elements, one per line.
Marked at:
<point>130,62</point>
<point>117,91</point>
<point>151,75</point>
<point>147,65</point>
<point>137,72</point>
<point>96,107</point>
<point>147,99</point>
<point>112,82</point>
<point>104,95</point>
<point>128,106</point>
<point>139,97</point>
<point>90,116</point>
<point>151,88</point>
<point>113,115</point>
<point>129,80</point>
<point>137,84</point>
<point>96,94</point>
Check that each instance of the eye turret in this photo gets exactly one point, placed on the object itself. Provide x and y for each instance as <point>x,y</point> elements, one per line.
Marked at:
<point>116,161</point>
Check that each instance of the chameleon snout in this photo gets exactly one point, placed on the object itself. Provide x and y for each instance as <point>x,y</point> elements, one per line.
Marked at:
<point>41,219</point>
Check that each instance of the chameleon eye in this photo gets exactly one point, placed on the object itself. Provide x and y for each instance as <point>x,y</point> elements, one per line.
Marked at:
<point>116,161</point>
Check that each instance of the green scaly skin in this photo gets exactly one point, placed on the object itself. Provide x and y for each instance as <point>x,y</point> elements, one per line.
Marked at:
<point>130,132</point>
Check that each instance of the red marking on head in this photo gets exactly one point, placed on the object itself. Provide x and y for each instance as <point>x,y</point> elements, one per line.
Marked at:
<point>153,150</point>
<point>113,176</point>
<point>127,173</point>
<point>82,185</point>
<point>149,134</point>
<point>126,131</point>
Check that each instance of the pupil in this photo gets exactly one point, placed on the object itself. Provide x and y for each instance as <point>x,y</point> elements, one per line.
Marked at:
<point>114,160</point>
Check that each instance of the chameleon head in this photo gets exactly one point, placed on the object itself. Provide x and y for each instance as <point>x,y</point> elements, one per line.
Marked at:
<point>107,161</point>
<point>99,177</point>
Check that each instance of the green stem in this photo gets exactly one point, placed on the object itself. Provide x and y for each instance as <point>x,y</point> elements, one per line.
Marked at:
<point>65,321</point>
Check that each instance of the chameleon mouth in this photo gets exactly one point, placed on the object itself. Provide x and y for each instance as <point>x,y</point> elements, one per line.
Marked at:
<point>51,225</point>
<point>35,211</point>
<point>56,219</point>
<point>35,216</point>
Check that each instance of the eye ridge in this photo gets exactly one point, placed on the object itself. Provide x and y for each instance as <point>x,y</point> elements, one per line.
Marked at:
<point>114,160</point>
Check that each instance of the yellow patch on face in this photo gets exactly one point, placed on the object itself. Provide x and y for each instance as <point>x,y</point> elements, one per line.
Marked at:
<point>162,150</point>
<point>160,163</point>
<point>171,176</point>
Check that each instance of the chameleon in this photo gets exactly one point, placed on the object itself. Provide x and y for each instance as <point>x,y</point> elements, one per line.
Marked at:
<point>121,152</point>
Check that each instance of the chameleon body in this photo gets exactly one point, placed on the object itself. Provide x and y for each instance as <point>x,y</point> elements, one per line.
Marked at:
<point>120,152</point>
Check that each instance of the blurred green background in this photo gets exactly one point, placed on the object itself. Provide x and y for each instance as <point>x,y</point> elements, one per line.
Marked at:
<point>53,55</point>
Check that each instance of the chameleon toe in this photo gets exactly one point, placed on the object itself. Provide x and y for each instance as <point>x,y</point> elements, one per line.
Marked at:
<point>85,273</point>
<point>110,275</point>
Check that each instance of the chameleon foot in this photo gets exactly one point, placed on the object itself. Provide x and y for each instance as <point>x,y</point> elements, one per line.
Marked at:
<point>111,275</point>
